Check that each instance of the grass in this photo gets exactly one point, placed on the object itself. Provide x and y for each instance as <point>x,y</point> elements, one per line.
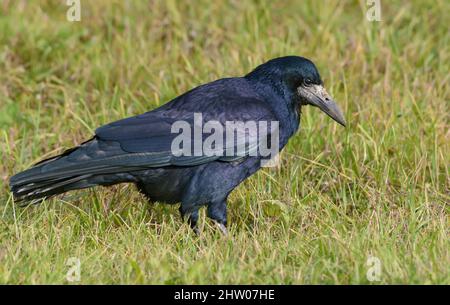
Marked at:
<point>380,187</point>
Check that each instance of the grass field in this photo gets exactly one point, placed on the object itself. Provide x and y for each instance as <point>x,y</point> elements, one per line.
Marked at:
<point>378,188</point>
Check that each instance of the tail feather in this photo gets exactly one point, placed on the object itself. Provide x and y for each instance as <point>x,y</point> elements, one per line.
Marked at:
<point>73,169</point>
<point>42,190</point>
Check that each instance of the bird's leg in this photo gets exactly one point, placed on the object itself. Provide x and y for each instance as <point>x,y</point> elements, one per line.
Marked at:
<point>141,189</point>
<point>217,211</point>
<point>192,219</point>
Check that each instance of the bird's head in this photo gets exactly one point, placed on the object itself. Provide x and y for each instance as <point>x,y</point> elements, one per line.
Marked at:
<point>300,78</point>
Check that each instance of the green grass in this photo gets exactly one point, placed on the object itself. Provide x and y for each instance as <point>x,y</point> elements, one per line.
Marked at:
<point>380,187</point>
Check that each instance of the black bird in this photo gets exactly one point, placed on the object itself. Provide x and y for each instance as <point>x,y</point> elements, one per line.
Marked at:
<point>139,149</point>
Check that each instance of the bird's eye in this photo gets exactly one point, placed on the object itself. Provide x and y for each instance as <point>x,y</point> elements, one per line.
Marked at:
<point>307,81</point>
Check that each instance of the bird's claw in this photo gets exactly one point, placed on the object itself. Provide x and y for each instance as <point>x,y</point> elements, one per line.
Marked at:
<point>196,231</point>
<point>222,228</point>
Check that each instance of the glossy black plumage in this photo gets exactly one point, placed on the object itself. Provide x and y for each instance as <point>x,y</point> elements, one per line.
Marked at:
<point>138,149</point>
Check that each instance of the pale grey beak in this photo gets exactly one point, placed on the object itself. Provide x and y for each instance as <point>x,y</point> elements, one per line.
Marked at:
<point>316,95</point>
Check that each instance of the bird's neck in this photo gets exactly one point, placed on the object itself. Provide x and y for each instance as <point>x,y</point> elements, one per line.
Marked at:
<point>282,102</point>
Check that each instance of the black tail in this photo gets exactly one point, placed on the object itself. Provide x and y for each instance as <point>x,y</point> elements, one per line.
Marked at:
<point>76,168</point>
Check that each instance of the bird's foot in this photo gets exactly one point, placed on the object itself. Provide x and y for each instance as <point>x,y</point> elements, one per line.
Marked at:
<point>192,220</point>
<point>196,230</point>
<point>222,228</point>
